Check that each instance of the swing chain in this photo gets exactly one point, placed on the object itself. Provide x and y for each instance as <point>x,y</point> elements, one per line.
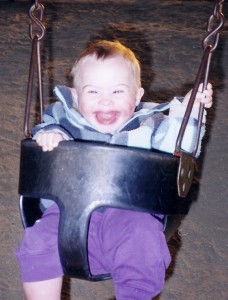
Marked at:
<point>215,23</point>
<point>36,34</point>
<point>187,160</point>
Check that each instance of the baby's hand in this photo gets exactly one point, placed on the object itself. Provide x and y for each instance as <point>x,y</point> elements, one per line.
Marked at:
<point>49,140</point>
<point>204,97</point>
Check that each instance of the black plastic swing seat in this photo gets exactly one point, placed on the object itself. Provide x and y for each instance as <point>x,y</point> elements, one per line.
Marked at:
<point>82,176</point>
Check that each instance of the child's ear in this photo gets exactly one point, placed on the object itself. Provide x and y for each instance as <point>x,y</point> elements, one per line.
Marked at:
<point>139,94</point>
<point>74,95</point>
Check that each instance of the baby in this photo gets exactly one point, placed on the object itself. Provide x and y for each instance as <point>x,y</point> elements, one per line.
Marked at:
<point>104,105</point>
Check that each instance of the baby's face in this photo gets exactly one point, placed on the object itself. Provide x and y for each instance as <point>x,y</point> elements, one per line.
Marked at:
<point>106,92</point>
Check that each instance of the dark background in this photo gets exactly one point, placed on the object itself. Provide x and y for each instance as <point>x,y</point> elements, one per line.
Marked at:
<point>166,35</point>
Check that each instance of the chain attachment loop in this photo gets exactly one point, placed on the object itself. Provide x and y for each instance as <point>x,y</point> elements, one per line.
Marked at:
<point>36,27</point>
<point>215,23</point>
<point>36,4</point>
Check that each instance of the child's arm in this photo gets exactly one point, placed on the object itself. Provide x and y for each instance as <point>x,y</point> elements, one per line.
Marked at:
<point>167,132</point>
<point>50,133</point>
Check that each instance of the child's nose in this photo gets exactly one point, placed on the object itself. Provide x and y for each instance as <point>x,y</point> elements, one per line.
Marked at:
<point>106,100</point>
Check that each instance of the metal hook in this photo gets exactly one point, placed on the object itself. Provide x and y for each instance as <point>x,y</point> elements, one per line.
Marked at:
<point>36,20</point>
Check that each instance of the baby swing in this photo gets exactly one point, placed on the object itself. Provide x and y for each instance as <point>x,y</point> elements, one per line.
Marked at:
<point>105,175</point>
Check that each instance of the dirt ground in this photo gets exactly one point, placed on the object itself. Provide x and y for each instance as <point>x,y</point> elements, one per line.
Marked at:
<point>166,35</point>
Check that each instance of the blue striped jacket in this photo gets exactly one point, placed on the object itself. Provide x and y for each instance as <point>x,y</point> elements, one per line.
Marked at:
<point>149,127</point>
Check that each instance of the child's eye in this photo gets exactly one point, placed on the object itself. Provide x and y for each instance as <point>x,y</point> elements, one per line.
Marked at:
<point>92,92</point>
<point>118,91</point>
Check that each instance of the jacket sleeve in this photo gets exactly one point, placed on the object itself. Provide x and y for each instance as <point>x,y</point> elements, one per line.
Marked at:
<point>165,135</point>
<point>53,116</point>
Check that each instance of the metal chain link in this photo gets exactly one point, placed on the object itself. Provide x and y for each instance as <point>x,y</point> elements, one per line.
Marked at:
<point>215,23</point>
<point>36,2</point>
<point>36,33</point>
<point>36,27</point>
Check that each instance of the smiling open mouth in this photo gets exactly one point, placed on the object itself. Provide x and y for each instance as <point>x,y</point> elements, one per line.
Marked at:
<point>106,118</point>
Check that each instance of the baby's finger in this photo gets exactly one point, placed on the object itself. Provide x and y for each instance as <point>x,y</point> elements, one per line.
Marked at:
<point>53,140</point>
<point>209,86</point>
<point>207,102</point>
<point>56,139</point>
<point>44,141</point>
<point>40,139</point>
<point>50,142</point>
<point>206,98</point>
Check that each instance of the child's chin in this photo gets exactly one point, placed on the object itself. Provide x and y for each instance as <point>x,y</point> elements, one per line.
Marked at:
<point>106,128</point>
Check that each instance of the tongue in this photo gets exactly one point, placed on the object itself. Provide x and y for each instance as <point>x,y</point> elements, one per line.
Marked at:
<point>106,117</point>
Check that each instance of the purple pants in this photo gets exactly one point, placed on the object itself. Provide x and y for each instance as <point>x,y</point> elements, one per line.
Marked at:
<point>129,245</point>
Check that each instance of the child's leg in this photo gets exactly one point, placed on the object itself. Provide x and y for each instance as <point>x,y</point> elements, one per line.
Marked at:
<point>134,250</point>
<point>45,290</point>
<point>38,257</point>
